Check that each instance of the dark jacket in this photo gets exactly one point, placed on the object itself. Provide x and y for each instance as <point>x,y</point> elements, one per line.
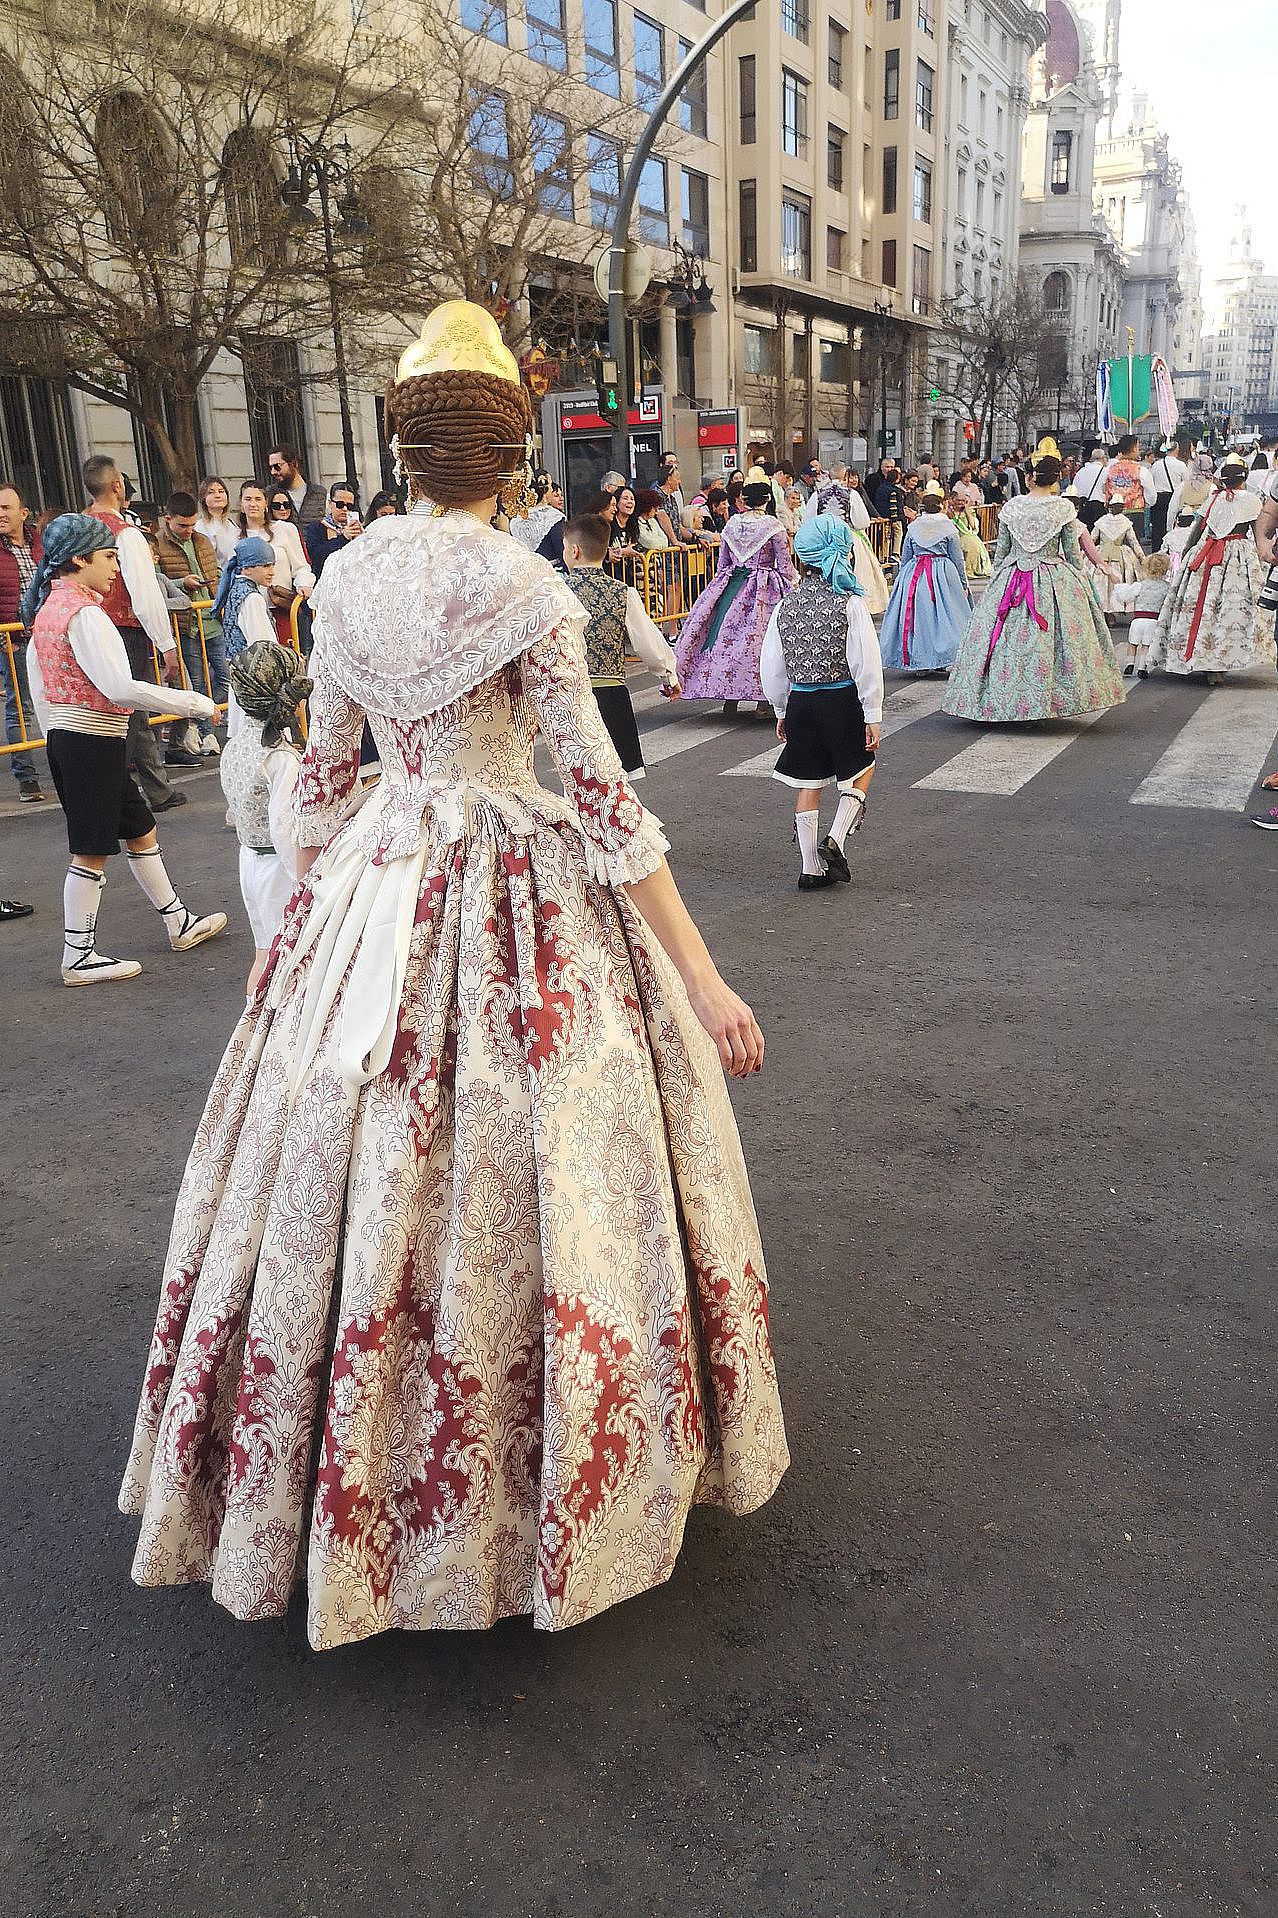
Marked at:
<point>321,542</point>
<point>889,500</point>
<point>314,503</point>
<point>11,583</point>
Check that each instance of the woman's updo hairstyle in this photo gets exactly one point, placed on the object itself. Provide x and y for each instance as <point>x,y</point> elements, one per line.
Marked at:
<point>462,433</point>
<point>1047,470</point>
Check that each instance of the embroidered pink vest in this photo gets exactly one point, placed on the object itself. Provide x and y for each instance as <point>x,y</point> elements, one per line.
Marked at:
<point>65,681</point>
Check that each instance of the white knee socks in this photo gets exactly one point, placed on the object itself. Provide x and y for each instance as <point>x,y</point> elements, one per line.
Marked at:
<point>846,816</point>
<point>149,871</point>
<point>808,827</point>
<point>81,893</point>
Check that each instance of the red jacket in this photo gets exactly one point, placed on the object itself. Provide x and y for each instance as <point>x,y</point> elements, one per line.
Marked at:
<point>11,581</point>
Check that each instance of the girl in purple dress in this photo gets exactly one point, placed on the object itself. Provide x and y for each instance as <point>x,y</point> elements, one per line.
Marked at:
<point>718,649</point>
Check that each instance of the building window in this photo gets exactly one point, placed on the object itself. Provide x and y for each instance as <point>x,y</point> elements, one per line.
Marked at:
<point>997,214</point>
<point>794,19</point>
<point>603,68</point>
<point>923,97</point>
<point>922,280</point>
<point>748,225</point>
<point>695,208</point>
<point>893,9</point>
<point>960,194</point>
<point>923,190</point>
<point>755,354</point>
<point>999,123</point>
<point>487,17</point>
<point>980,203</point>
<point>547,40</point>
<point>273,390</point>
<point>889,262</point>
<point>551,161</point>
<point>746,99</point>
<point>603,157</point>
<point>650,60</point>
<point>654,207</point>
<point>836,244</point>
<point>835,140</point>
<point>37,439</point>
<point>1062,146</point>
<point>692,101</point>
<point>1056,294</point>
<point>963,99</point>
<point>927,17</point>
<point>838,43</point>
<point>796,236</point>
<point>889,180</point>
<point>891,83</point>
<point>800,363</point>
<point>489,133</point>
<point>832,362</point>
<point>794,114</point>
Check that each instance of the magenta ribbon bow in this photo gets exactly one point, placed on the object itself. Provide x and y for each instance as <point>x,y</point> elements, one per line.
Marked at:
<point>1019,591</point>
<point>923,565</point>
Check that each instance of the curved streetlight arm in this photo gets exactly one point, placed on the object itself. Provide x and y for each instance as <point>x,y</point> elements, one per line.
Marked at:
<point>618,339</point>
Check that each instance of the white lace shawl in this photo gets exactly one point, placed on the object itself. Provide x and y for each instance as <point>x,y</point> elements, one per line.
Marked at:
<point>417,611</point>
<point>747,533</point>
<point>1230,511</point>
<point>1033,522</point>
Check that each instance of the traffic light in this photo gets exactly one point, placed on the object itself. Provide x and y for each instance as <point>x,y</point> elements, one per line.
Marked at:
<point>611,402</point>
<point>608,387</point>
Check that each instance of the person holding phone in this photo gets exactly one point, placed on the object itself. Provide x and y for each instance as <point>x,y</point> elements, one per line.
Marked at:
<point>339,526</point>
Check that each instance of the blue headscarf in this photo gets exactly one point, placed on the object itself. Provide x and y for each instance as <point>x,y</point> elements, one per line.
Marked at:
<point>65,538</point>
<point>825,544</point>
<point>233,589</point>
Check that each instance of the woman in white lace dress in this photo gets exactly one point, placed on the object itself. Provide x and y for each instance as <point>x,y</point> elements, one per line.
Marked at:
<point>465,1278</point>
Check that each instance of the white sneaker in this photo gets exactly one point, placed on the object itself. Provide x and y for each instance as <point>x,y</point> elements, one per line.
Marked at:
<point>209,747</point>
<point>191,739</point>
<point>195,931</point>
<point>94,969</point>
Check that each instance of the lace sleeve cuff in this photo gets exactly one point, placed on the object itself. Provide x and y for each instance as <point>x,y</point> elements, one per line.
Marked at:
<point>643,852</point>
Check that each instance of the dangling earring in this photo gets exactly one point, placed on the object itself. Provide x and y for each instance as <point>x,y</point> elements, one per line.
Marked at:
<point>517,498</point>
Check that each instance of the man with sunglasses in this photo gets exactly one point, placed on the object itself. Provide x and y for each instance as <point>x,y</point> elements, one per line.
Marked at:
<point>285,465</point>
<point>339,526</point>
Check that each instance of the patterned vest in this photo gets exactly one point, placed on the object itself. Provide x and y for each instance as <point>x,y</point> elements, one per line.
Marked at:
<point>116,604</point>
<point>244,784</point>
<point>813,624</point>
<point>604,599</point>
<point>66,685</point>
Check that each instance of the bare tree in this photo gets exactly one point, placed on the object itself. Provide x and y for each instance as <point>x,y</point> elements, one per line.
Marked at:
<point>143,230</point>
<point>993,356</point>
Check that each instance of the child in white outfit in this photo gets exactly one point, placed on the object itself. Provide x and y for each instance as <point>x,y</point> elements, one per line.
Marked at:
<point>259,772</point>
<point>1144,599</point>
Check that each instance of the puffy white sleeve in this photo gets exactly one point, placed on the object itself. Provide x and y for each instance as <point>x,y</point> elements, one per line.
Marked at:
<point>137,569</point>
<point>100,654</point>
<point>281,768</point>
<point>302,577</point>
<point>623,842</point>
<point>810,507</point>
<point>653,648</point>
<point>865,662</point>
<point>1148,485</point>
<point>773,677</point>
<point>858,511</point>
<point>255,621</point>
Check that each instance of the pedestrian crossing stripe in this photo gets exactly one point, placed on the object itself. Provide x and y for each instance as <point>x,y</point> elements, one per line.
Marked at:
<point>1212,764</point>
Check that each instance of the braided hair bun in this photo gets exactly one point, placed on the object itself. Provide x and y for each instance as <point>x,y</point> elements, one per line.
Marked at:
<point>1047,470</point>
<point>462,433</point>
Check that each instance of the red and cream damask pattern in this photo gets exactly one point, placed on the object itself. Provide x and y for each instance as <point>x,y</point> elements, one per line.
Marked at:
<point>464,1277</point>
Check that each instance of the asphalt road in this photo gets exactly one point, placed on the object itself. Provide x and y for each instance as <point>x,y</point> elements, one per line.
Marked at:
<point>1001,1647</point>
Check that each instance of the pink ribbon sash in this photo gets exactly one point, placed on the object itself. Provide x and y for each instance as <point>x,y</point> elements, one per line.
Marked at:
<point>923,564</point>
<point>1019,591</point>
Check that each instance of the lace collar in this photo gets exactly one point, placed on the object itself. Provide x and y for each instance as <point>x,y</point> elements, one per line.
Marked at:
<point>418,610</point>
<point>1229,511</point>
<point>1032,522</point>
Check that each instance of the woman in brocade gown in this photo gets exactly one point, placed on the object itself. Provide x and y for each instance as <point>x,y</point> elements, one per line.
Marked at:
<point>1212,621</point>
<point>1036,646</point>
<point>930,603</point>
<point>718,648</point>
<point>464,1279</point>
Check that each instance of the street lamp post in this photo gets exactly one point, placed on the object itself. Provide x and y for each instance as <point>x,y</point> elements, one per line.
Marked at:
<point>618,333</point>
<point>327,172</point>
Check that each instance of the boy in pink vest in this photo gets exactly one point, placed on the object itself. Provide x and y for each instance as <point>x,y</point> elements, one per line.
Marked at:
<point>84,692</point>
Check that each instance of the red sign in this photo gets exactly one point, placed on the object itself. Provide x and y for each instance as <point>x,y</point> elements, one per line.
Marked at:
<point>580,420</point>
<point>722,433</point>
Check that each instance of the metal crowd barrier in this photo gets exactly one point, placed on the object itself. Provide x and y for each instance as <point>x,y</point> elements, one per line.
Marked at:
<point>13,634</point>
<point>987,519</point>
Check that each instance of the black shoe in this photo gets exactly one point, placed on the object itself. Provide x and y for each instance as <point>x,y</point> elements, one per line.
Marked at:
<point>30,790</point>
<point>167,805</point>
<point>178,756</point>
<point>834,858</point>
<point>816,881</point>
<point>14,909</point>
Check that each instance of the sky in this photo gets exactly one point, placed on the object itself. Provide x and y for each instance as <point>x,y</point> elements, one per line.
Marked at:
<point>1215,93</point>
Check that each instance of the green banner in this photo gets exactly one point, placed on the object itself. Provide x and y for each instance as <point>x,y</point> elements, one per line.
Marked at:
<point>1133,407</point>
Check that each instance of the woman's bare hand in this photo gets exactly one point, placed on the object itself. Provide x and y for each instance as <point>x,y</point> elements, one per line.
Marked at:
<point>732,1026</point>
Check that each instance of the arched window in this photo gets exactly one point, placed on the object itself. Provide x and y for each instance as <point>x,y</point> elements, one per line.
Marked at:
<point>21,199</point>
<point>1056,294</point>
<point>254,214</point>
<point>139,189</point>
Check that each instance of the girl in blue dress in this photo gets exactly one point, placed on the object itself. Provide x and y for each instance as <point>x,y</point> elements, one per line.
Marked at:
<point>930,603</point>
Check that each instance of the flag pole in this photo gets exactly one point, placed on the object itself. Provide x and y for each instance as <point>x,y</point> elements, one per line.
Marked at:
<point>1131,388</point>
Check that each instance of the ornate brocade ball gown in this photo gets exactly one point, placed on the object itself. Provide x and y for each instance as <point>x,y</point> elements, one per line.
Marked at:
<point>718,648</point>
<point>1036,645</point>
<point>1212,621</point>
<point>464,1277</point>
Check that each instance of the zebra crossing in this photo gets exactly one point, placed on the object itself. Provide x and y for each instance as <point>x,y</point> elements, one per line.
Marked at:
<point>1210,758</point>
